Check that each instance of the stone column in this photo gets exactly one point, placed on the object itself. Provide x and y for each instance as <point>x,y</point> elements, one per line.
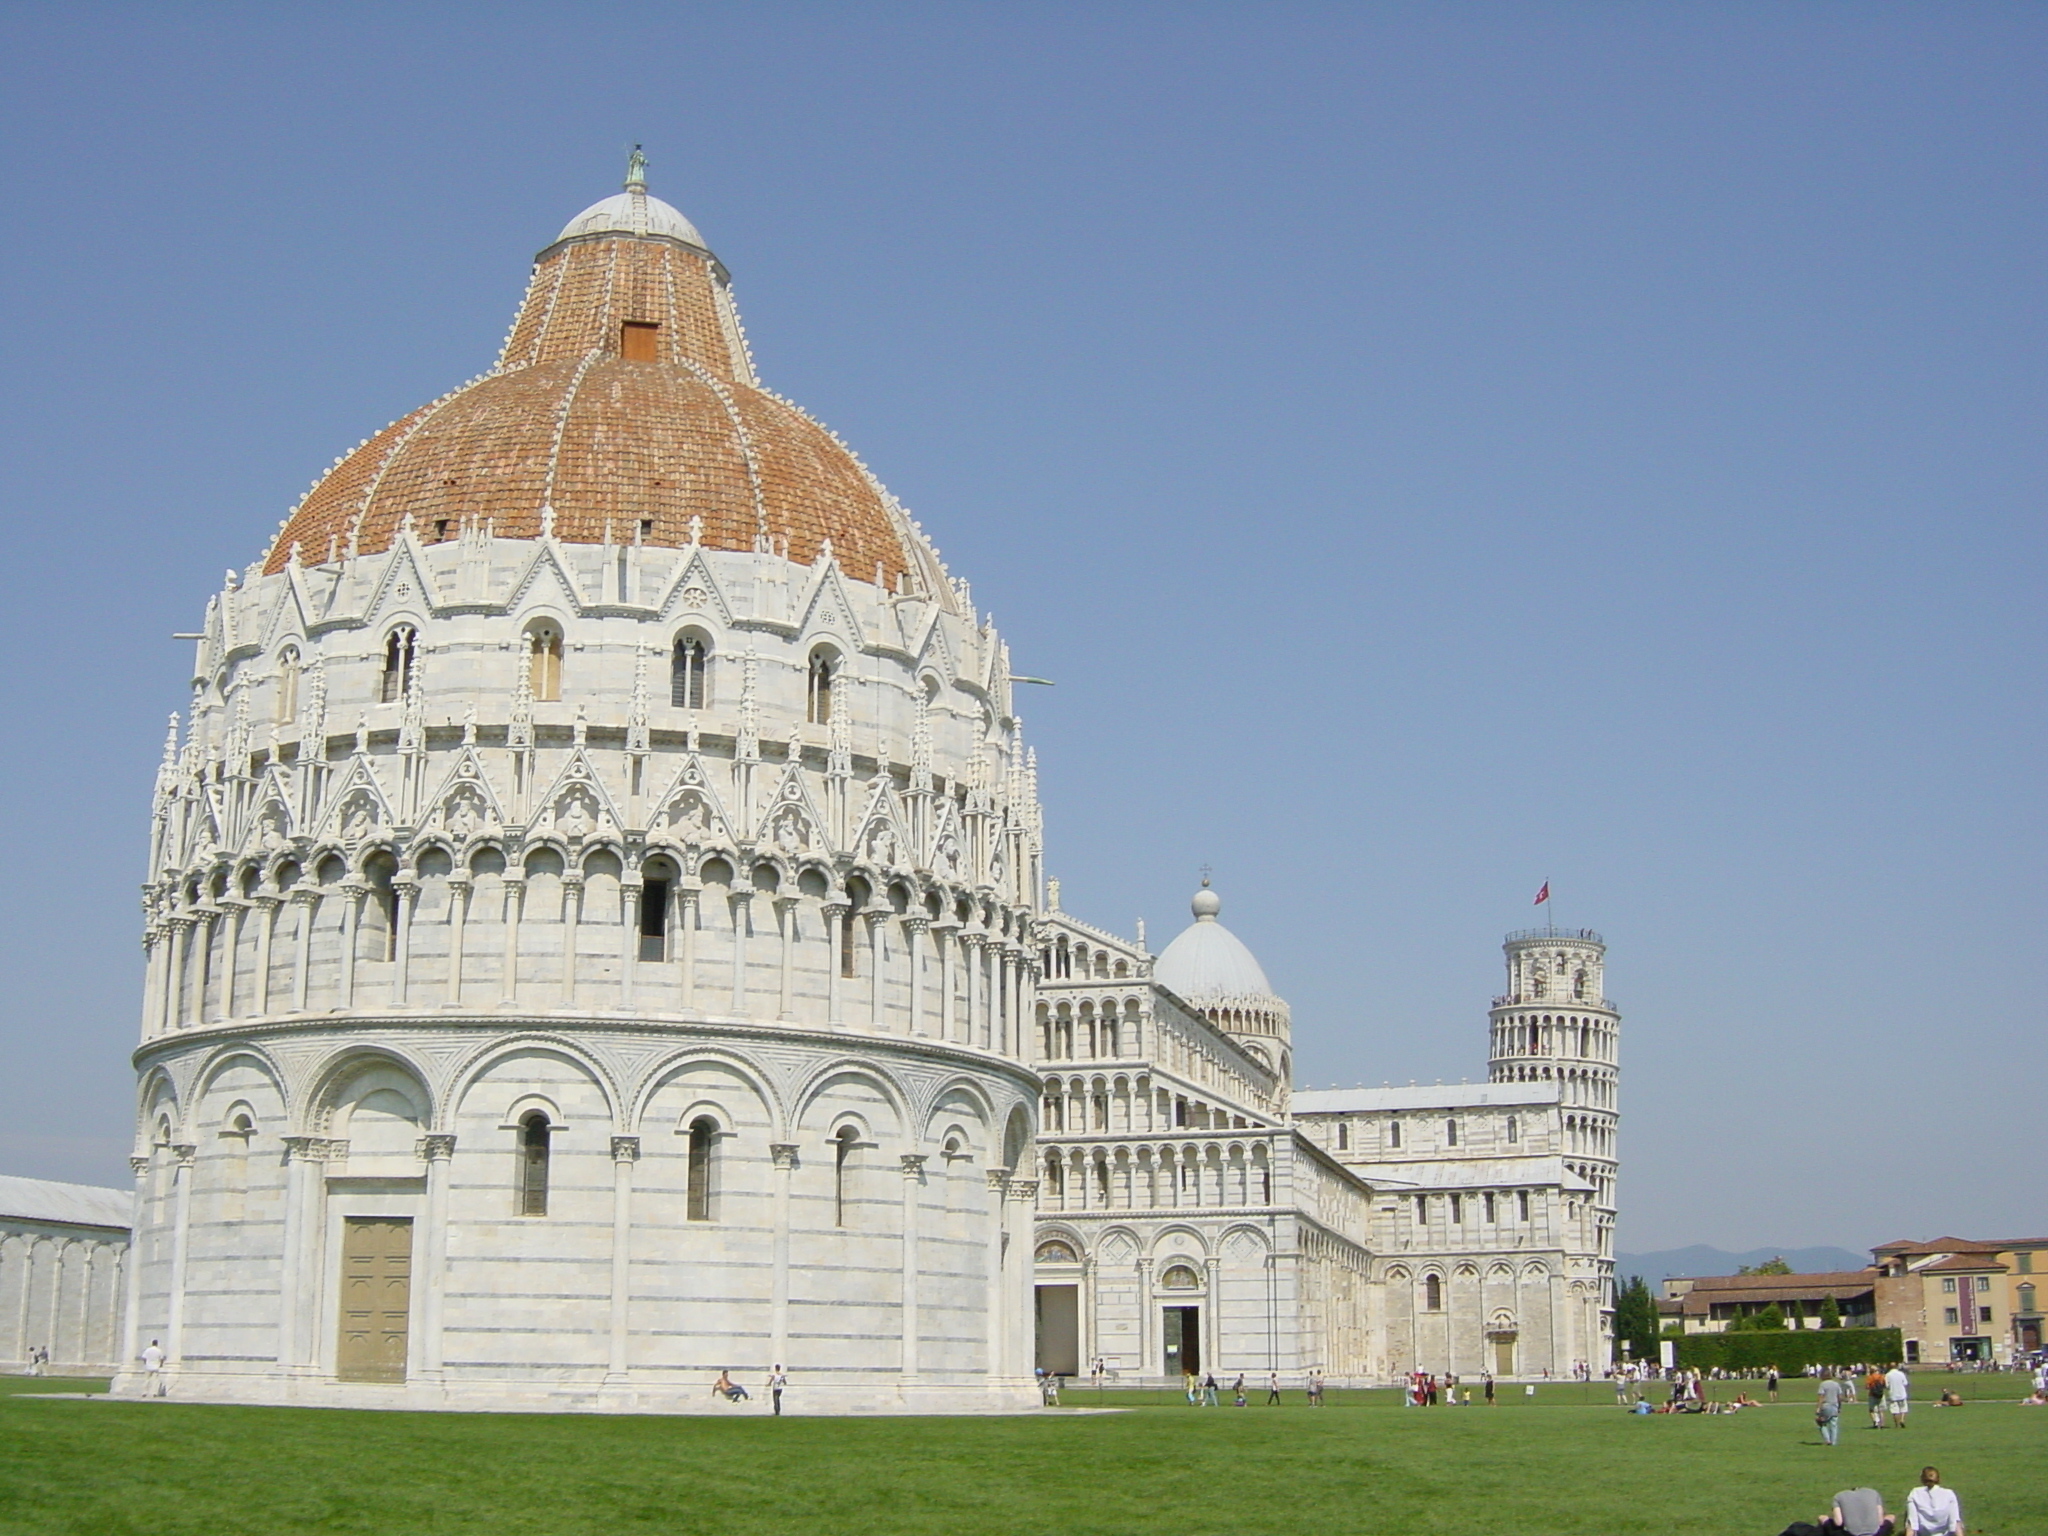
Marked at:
<point>1023,1223</point>
<point>1149,1333</point>
<point>1212,1315</point>
<point>307,902</point>
<point>913,1187</point>
<point>181,1232</point>
<point>572,920</point>
<point>785,921</point>
<point>945,946</point>
<point>515,905</point>
<point>408,893</point>
<point>266,936</point>
<point>436,1151</point>
<point>915,926</point>
<point>996,1287</point>
<point>237,915</point>
<point>198,940</point>
<point>631,894</point>
<point>742,916</point>
<point>784,1154</point>
<point>304,1159</point>
<point>686,916</point>
<point>131,1304</point>
<point>459,893</point>
<point>353,893</point>
<point>876,939</point>
<point>837,915</point>
<point>174,980</point>
<point>625,1153</point>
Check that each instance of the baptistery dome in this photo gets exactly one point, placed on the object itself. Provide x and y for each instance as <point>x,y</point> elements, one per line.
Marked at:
<point>623,409</point>
<point>592,906</point>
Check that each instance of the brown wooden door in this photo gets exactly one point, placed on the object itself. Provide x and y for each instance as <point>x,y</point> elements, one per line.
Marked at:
<point>376,1298</point>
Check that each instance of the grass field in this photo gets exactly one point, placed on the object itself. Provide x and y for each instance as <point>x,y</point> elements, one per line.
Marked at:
<point>1548,1465</point>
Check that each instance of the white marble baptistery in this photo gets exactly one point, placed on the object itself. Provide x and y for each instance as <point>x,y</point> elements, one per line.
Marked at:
<point>590,908</point>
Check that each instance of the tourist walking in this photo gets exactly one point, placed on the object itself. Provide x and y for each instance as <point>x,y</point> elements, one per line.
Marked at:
<point>1209,1390</point>
<point>1771,1382</point>
<point>1873,1384</point>
<point>778,1379</point>
<point>153,1370</point>
<point>1931,1509</point>
<point>1896,1384</point>
<point>1827,1411</point>
<point>1489,1389</point>
<point>1273,1390</point>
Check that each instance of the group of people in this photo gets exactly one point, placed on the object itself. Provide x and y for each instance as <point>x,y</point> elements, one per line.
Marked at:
<point>1203,1391</point>
<point>1932,1509</point>
<point>1889,1394</point>
<point>1423,1389</point>
<point>38,1360</point>
<point>733,1392</point>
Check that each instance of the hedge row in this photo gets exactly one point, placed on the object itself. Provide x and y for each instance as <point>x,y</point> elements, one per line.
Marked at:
<point>1792,1350</point>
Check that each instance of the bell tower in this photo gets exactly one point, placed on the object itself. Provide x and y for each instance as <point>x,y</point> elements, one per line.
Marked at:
<point>1555,1024</point>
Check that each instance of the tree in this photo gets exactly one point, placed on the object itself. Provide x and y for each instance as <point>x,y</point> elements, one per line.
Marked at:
<point>1773,1266</point>
<point>1768,1319</point>
<point>1830,1313</point>
<point>1635,1319</point>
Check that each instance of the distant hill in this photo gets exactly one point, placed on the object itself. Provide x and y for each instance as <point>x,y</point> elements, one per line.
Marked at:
<point>1699,1259</point>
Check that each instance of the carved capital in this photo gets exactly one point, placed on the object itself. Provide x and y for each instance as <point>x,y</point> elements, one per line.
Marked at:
<point>913,1165</point>
<point>784,1153</point>
<point>625,1149</point>
<point>140,1165</point>
<point>998,1179</point>
<point>916,922</point>
<point>436,1148</point>
<point>1024,1191</point>
<point>185,1153</point>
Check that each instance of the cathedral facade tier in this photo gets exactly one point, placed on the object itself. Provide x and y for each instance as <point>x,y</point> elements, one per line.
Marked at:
<point>1197,1213</point>
<point>592,906</point>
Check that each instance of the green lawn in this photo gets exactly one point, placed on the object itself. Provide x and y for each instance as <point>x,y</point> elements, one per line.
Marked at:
<point>1363,1465</point>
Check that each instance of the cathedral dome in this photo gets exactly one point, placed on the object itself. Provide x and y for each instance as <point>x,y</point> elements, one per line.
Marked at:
<point>1208,960</point>
<point>623,409</point>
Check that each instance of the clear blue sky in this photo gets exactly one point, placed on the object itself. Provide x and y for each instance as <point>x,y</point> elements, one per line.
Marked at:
<point>1435,448</point>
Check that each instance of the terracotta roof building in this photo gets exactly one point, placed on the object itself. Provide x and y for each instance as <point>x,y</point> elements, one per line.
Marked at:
<point>1956,1298</point>
<point>1708,1304</point>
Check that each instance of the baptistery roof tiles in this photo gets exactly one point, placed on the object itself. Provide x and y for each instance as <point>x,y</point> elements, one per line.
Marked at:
<point>626,448</point>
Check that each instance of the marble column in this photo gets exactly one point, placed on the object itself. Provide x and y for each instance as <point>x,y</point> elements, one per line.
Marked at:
<point>913,1189</point>
<point>625,1153</point>
<point>784,1154</point>
<point>181,1237</point>
<point>437,1151</point>
<point>838,914</point>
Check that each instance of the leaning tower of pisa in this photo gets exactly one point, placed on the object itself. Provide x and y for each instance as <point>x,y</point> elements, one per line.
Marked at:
<point>1555,1024</point>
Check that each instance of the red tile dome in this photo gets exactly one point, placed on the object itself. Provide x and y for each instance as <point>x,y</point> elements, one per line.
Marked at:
<point>624,402</point>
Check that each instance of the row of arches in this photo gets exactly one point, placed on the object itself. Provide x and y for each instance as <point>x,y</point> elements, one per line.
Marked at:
<point>1153,1177</point>
<point>1120,1105</point>
<point>1066,959</point>
<point>1562,1035</point>
<point>685,929</point>
<point>1090,1029</point>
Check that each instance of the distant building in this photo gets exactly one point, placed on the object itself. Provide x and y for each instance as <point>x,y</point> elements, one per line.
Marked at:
<point>63,1274</point>
<point>1712,1303</point>
<point>1952,1298</point>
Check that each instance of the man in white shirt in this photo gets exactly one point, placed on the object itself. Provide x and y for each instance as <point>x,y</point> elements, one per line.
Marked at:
<point>1895,1385</point>
<point>1932,1510</point>
<point>153,1370</point>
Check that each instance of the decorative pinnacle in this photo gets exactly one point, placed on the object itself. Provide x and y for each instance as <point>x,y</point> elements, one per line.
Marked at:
<point>636,171</point>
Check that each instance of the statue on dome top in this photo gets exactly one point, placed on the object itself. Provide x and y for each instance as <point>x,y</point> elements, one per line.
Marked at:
<point>636,171</point>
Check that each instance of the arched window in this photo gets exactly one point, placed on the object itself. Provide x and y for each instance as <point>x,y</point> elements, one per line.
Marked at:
<point>843,1145</point>
<point>1450,1133</point>
<point>288,685</point>
<point>534,1131</point>
<point>1457,1209</point>
<point>818,692</point>
<point>656,888</point>
<point>689,684</point>
<point>401,647</point>
<point>544,660</point>
<point>1343,1136</point>
<point>703,1146</point>
<point>382,869</point>
<point>1393,1133</point>
<point>1433,1293</point>
<point>1522,1204</point>
<point>1514,1129</point>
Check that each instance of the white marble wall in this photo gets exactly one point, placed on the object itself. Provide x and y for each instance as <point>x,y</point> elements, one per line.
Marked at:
<point>60,1289</point>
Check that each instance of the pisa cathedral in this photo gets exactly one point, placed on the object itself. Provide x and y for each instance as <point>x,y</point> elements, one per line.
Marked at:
<point>597,935</point>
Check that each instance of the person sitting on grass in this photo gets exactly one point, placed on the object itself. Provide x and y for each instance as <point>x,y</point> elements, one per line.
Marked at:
<point>1931,1509</point>
<point>1857,1512</point>
<point>1950,1398</point>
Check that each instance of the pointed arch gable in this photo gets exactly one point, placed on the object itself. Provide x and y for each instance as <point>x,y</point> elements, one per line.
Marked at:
<point>690,813</point>
<point>826,611</point>
<point>693,590</point>
<point>577,807</point>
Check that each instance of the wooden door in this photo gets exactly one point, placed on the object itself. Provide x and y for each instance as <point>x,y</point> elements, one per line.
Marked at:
<point>376,1298</point>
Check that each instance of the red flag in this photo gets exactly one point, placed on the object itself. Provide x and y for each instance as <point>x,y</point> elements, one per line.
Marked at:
<point>1542,896</point>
